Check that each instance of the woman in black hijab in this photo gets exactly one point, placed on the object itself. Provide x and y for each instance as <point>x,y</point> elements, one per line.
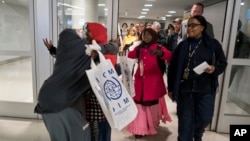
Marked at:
<point>61,97</point>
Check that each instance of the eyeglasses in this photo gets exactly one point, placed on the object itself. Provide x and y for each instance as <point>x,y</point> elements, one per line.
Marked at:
<point>192,25</point>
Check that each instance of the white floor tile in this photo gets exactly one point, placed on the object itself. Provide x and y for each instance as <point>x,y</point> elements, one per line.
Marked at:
<point>14,129</point>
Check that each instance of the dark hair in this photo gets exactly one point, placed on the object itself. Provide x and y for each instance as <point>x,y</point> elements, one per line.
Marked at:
<point>199,4</point>
<point>170,26</point>
<point>152,33</point>
<point>124,24</point>
<point>202,21</point>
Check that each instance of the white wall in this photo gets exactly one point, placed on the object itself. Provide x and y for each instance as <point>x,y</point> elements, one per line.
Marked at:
<point>215,14</point>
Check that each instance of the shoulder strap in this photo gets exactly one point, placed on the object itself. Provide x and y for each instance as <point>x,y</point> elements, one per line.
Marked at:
<point>161,62</point>
<point>138,50</point>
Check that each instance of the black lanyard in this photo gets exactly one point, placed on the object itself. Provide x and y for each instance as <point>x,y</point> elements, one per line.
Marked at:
<point>191,53</point>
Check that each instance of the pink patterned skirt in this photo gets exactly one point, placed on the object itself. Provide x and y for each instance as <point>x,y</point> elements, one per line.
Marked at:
<point>148,118</point>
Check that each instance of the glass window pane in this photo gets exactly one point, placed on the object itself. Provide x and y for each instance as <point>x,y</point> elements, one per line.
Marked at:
<point>15,66</point>
<point>75,13</point>
<point>15,26</point>
<point>16,79</point>
<point>238,101</point>
<point>242,43</point>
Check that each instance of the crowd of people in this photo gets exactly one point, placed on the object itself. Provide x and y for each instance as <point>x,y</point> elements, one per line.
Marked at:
<point>71,111</point>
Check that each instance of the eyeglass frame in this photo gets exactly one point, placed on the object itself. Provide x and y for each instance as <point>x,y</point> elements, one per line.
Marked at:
<point>192,25</point>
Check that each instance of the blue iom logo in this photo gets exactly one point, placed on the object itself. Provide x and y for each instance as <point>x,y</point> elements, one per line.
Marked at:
<point>112,89</point>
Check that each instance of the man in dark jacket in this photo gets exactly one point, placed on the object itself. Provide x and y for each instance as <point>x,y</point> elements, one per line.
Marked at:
<point>60,100</point>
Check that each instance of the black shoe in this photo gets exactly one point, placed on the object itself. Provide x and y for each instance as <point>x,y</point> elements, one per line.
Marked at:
<point>138,136</point>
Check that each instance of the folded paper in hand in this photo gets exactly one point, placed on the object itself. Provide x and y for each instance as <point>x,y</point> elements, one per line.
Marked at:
<point>201,68</point>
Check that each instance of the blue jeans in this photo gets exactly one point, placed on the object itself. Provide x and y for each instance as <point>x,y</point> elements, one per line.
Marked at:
<point>195,112</point>
<point>104,131</point>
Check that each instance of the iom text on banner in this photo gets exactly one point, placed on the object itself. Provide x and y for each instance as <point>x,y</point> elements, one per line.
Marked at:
<point>239,132</point>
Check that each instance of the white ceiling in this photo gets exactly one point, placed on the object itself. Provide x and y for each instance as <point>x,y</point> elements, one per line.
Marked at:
<point>160,8</point>
<point>133,8</point>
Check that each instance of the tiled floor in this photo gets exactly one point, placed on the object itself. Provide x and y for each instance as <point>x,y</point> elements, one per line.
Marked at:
<point>34,130</point>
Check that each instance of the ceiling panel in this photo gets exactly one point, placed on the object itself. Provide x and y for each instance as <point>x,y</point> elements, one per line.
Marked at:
<point>133,8</point>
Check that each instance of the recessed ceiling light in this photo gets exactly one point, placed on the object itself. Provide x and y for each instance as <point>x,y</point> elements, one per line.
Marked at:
<point>172,12</point>
<point>69,5</point>
<point>101,5</point>
<point>242,3</point>
<point>143,12</point>
<point>145,9</point>
<point>148,5</point>
<point>168,15</point>
<point>140,17</point>
<point>105,9</point>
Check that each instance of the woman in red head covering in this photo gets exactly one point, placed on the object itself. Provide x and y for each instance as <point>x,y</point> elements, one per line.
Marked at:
<point>94,114</point>
<point>97,32</point>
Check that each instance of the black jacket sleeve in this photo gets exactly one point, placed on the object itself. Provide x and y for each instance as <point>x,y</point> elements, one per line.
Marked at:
<point>220,59</point>
<point>52,51</point>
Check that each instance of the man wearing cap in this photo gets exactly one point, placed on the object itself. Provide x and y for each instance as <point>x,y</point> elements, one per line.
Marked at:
<point>177,30</point>
<point>197,9</point>
<point>174,38</point>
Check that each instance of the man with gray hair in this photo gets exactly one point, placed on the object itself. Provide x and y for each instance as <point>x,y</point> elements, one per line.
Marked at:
<point>156,26</point>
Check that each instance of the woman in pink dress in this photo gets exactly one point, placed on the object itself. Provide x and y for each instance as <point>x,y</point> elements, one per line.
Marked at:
<point>149,85</point>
